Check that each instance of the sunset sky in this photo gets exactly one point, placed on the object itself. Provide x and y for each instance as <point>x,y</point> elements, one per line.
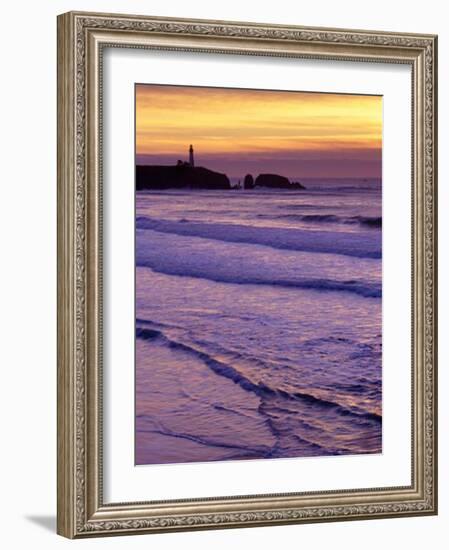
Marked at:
<point>295,134</point>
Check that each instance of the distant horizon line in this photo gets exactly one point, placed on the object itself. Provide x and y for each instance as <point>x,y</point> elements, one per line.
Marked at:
<point>358,165</point>
<point>293,178</point>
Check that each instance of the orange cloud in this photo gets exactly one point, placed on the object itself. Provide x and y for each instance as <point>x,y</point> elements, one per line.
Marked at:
<point>222,120</point>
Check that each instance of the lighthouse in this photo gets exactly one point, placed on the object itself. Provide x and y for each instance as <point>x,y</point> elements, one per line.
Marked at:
<point>191,160</point>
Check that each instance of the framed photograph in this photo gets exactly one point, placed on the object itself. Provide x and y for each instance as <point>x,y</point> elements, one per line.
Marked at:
<point>246,274</point>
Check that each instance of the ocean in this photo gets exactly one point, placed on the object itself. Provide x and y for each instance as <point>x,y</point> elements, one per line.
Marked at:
<point>259,322</point>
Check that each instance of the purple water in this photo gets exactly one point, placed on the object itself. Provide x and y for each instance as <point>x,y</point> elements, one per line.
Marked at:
<point>258,323</point>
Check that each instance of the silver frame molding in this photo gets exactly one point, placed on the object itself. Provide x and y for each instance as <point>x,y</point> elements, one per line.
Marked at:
<point>81,39</point>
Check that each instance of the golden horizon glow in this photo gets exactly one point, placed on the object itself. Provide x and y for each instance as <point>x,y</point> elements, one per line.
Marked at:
<point>235,121</point>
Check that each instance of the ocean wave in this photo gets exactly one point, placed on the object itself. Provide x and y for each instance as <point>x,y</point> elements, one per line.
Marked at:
<point>367,290</point>
<point>308,206</point>
<point>370,221</point>
<point>246,451</point>
<point>245,264</point>
<point>366,245</point>
<point>149,424</point>
<point>260,388</point>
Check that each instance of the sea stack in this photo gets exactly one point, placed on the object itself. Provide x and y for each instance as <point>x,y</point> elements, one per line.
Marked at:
<point>276,181</point>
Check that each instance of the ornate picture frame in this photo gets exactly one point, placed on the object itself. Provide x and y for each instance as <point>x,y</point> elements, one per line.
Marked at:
<point>82,38</point>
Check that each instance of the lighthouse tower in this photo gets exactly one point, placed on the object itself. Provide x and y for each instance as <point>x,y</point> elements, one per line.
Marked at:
<point>191,160</point>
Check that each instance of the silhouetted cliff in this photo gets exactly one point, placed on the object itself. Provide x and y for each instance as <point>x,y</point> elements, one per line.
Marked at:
<point>276,181</point>
<point>178,177</point>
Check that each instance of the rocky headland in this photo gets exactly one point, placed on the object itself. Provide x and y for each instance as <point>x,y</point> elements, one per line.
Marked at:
<point>179,176</point>
<point>185,176</point>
